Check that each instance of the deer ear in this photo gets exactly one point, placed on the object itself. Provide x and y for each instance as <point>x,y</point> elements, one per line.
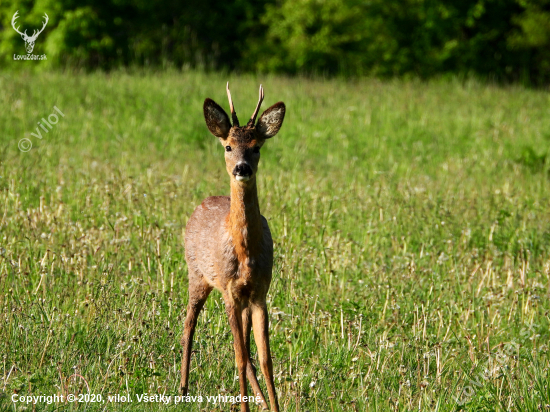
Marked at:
<point>217,120</point>
<point>271,120</point>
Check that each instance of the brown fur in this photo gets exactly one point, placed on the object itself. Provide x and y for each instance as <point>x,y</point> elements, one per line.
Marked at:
<point>228,246</point>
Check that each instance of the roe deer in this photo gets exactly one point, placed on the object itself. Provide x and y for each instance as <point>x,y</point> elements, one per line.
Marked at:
<point>228,246</point>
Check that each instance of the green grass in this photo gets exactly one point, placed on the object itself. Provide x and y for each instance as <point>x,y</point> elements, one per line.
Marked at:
<point>411,228</point>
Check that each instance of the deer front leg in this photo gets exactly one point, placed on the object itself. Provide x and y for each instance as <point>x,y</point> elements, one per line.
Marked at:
<point>198,293</point>
<point>260,324</point>
<point>250,370</point>
<point>234,313</point>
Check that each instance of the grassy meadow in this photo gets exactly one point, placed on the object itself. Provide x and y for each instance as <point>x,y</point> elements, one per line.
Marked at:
<point>411,224</point>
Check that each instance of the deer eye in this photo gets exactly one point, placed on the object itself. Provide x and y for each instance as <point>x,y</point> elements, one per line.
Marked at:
<point>256,149</point>
<point>227,148</point>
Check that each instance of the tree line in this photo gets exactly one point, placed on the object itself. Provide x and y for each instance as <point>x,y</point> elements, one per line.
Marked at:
<point>507,40</point>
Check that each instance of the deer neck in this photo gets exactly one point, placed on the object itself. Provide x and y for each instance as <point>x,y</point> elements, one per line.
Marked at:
<point>245,220</point>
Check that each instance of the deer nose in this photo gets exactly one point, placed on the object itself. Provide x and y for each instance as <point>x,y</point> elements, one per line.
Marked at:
<point>242,171</point>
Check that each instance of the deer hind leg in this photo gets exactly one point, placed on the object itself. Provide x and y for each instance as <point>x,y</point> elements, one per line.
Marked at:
<point>250,369</point>
<point>234,313</point>
<point>260,324</point>
<point>198,293</point>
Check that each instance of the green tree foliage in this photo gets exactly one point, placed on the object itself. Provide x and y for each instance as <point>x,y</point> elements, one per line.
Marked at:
<point>501,39</point>
<point>418,37</point>
<point>533,36</point>
<point>111,33</point>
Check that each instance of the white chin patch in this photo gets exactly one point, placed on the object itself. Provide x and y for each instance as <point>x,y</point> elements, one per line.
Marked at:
<point>242,178</point>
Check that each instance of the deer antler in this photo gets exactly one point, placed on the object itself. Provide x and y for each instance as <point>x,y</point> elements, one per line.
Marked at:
<point>15,16</point>
<point>232,108</point>
<point>260,100</point>
<point>35,34</point>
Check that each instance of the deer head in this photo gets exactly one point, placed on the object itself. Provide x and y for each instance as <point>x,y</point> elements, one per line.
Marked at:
<point>242,144</point>
<point>29,40</point>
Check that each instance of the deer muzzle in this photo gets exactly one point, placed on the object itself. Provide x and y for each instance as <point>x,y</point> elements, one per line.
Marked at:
<point>242,172</point>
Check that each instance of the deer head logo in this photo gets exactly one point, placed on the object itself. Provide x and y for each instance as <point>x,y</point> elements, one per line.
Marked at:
<point>29,40</point>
